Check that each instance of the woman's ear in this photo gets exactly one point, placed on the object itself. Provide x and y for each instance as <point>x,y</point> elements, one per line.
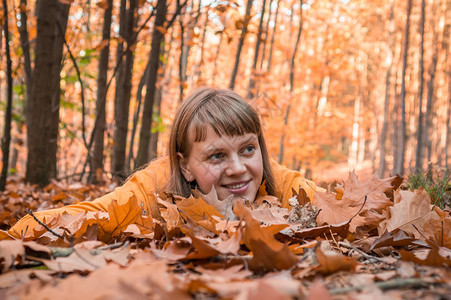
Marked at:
<point>183,164</point>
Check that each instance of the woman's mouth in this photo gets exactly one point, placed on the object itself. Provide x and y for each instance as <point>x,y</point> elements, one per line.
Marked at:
<point>237,187</point>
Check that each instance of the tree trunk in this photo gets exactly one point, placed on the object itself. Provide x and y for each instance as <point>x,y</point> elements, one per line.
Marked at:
<point>419,148</point>
<point>40,103</point>
<point>250,90</point>
<point>273,37</point>
<point>6,140</point>
<point>391,39</point>
<point>427,143</point>
<point>265,40</point>
<point>287,112</point>
<point>59,32</point>
<point>154,57</point>
<point>399,167</point>
<point>97,155</point>
<point>247,18</point>
<point>445,47</point>
<point>25,44</point>
<point>123,94</point>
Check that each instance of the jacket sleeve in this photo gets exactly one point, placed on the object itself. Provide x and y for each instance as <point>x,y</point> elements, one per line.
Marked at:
<point>286,180</point>
<point>139,187</point>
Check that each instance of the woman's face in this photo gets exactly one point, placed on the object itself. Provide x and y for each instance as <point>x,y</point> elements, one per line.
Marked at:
<point>232,164</point>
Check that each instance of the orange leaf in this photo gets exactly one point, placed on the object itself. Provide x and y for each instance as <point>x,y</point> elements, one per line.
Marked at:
<point>331,261</point>
<point>268,253</point>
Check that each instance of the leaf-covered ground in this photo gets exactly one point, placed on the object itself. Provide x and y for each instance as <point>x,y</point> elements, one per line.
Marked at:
<point>363,240</point>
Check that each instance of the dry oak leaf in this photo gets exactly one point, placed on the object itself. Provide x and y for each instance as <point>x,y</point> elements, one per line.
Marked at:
<point>334,211</point>
<point>437,256</point>
<point>439,231</point>
<point>9,251</point>
<point>411,209</point>
<point>331,261</point>
<point>120,216</point>
<point>350,199</point>
<point>268,253</point>
<point>374,189</point>
<point>395,238</point>
<point>200,212</point>
<point>170,214</point>
<point>140,280</point>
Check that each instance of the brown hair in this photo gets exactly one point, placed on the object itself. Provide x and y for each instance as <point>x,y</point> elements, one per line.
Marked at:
<point>227,113</point>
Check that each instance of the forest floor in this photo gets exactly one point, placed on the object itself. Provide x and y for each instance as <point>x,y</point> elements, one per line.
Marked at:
<point>367,240</point>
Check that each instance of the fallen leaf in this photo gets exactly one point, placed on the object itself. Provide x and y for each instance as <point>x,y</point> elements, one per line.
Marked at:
<point>395,238</point>
<point>9,252</point>
<point>268,253</point>
<point>439,231</point>
<point>409,213</point>
<point>330,261</point>
<point>433,258</point>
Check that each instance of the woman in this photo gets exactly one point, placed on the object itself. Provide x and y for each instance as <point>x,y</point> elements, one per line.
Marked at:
<point>216,143</point>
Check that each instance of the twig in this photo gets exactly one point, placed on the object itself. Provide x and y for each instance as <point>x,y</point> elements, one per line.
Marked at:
<point>386,285</point>
<point>366,255</point>
<point>82,93</point>
<point>45,226</point>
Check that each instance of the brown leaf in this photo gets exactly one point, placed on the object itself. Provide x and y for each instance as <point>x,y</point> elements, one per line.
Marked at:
<point>80,260</point>
<point>331,261</point>
<point>202,249</point>
<point>120,216</point>
<point>411,209</point>
<point>198,210</point>
<point>170,214</point>
<point>335,211</point>
<point>433,258</point>
<point>268,253</point>
<point>9,251</point>
<point>395,238</point>
<point>439,231</point>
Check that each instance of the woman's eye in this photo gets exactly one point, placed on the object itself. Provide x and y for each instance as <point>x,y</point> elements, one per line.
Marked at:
<point>249,149</point>
<point>216,157</point>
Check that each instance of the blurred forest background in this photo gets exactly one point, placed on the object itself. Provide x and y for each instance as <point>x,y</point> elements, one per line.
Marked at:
<point>88,89</point>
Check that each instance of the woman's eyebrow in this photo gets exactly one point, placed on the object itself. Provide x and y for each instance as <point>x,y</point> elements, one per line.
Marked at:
<point>248,140</point>
<point>212,149</point>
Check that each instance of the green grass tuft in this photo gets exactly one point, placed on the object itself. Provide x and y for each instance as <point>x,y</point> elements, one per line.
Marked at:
<point>436,182</point>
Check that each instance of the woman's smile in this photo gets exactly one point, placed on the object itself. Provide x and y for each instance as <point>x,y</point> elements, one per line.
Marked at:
<point>232,164</point>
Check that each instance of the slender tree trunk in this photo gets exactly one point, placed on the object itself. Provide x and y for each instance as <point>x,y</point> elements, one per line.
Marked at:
<point>156,127</point>
<point>399,167</point>
<point>266,31</point>
<point>427,143</point>
<point>122,101</point>
<point>287,112</point>
<point>445,47</point>
<point>6,140</point>
<point>391,38</point>
<point>198,71</point>
<point>97,155</point>
<point>40,103</point>
<point>419,148</point>
<point>273,37</point>
<point>139,94</point>
<point>157,38</point>
<point>183,60</point>
<point>247,18</point>
<point>25,44</point>
<point>250,91</point>
<point>218,51</point>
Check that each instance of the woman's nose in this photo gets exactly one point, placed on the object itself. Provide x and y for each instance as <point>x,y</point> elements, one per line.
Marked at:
<point>235,167</point>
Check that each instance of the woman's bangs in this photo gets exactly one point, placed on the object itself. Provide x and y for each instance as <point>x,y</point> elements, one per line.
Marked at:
<point>228,119</point>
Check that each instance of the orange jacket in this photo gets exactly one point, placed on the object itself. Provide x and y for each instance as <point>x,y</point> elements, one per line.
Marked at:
<point>144,183</point>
